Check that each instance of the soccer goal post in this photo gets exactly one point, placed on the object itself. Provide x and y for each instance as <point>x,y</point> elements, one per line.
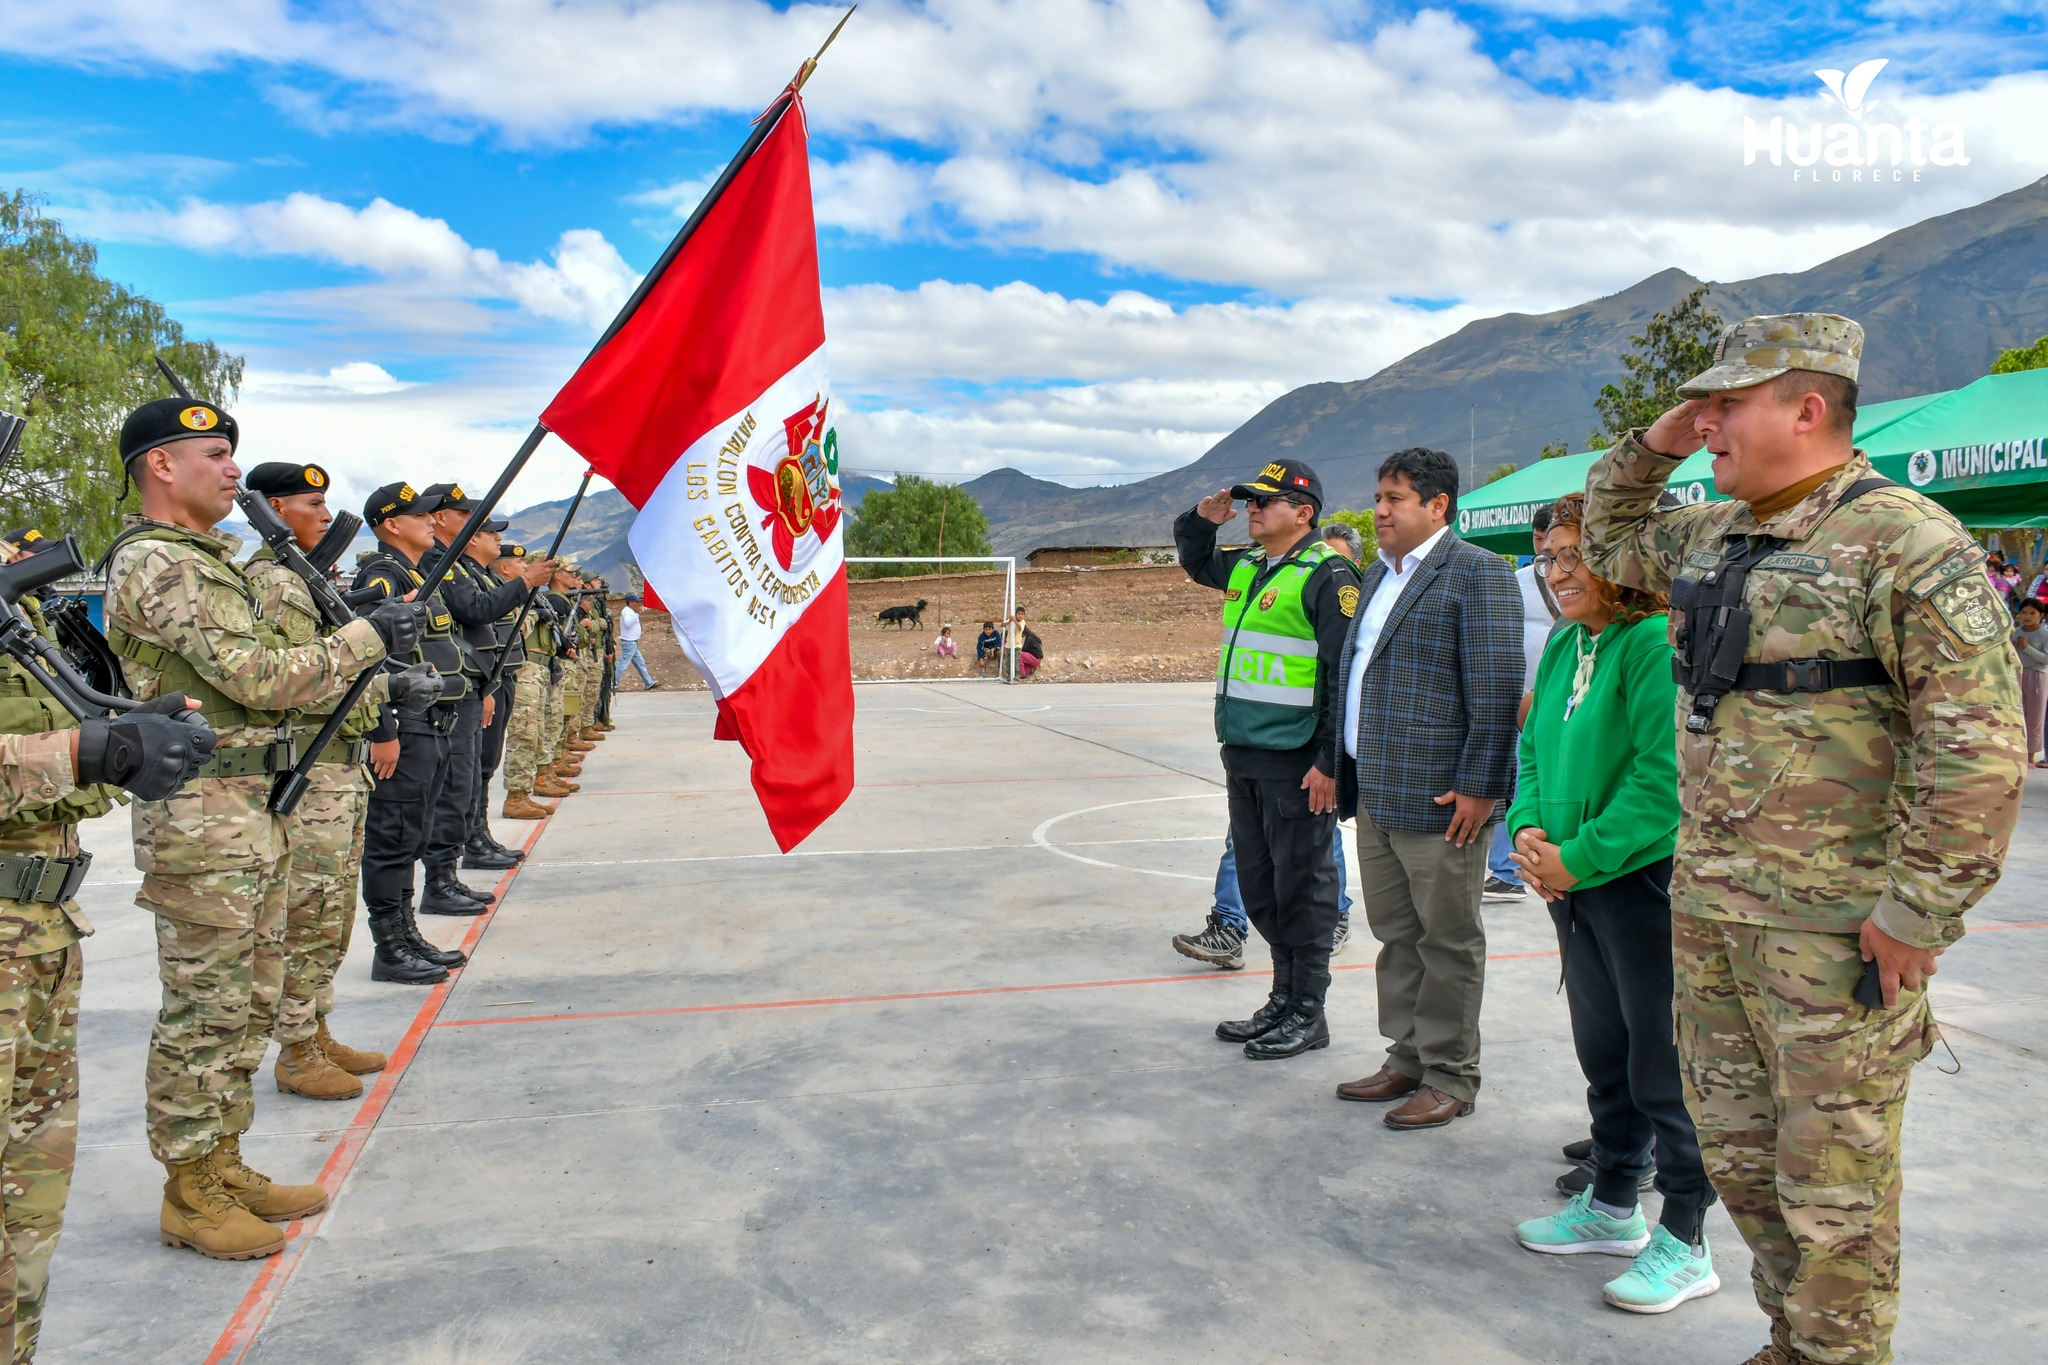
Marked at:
<point>1006,668</point>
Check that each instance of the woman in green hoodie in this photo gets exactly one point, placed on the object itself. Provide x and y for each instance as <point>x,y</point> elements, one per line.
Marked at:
<point>1594,821</point>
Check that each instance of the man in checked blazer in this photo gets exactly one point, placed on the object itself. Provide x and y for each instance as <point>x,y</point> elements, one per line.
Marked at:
<point>1431,677</point>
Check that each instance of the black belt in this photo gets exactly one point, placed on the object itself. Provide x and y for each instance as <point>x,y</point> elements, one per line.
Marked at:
<point>43,880</point>
<point>1811,675</point>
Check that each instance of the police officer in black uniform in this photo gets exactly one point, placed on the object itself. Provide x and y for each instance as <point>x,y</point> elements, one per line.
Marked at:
<point>476,599</point>
<point>409,784</point>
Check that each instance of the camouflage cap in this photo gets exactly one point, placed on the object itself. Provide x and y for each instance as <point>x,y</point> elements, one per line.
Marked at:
<point>1756,349</point>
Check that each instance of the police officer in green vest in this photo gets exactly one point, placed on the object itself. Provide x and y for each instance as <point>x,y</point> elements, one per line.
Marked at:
<point>1287,604</point>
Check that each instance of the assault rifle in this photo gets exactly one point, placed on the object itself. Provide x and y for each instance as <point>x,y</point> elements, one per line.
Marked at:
<point>314,566</point>
<point>20,641</point>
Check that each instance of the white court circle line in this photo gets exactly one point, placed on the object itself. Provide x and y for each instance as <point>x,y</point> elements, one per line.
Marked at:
<point>1038,835</point>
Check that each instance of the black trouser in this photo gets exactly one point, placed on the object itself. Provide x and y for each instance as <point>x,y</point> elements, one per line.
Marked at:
<point>1616,941</point>
<point>490,753</point>
<point>455,806</point>
<point>607,680</point>
<point>1288,878</point>
<point>401,805</point>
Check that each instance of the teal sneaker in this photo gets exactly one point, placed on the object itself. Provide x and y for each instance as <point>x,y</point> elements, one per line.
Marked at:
<point>1579,1228</point>
<point>1666,1274</point>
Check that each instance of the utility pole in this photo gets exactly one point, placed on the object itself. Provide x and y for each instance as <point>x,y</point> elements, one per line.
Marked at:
<point>1472,450</point>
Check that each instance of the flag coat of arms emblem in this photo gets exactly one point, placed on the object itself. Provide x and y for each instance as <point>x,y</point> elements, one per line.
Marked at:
<point>710,407</point>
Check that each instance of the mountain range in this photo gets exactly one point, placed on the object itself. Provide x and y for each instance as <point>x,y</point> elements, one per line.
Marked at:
<point>1937,300</point>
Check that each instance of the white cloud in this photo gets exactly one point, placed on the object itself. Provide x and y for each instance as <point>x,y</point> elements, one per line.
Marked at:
<point>585,281</point>
<point>354,377</point>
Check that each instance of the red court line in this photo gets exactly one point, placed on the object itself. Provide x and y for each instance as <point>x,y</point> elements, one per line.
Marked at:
<point>250,1315</point>
<point>933,782</point>
<point>1180,980</point>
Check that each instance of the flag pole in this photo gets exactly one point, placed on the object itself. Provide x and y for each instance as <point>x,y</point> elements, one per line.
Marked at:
<point>519,621</point>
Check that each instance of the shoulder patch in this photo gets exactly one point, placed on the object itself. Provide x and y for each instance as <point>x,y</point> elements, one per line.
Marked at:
<point>1971,610</point>
<point>1233,594</point>
<point>1941,575</point>
<point>227,609</point>
<point>1347,600</point>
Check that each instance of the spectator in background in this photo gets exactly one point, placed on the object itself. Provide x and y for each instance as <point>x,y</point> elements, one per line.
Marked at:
<point>1030,649</point>
<point>1345,540</point>
<point>2004,577</point>
<point>1595,822</point>
<point>944,646</point>
<point>1221,942</point>
<point>1539,623</point>
<point>2031,640</point>
<point>988,646</point>
<point>629,645</point>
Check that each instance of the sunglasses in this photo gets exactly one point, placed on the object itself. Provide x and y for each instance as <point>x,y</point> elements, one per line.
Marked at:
<point>1265,500</point>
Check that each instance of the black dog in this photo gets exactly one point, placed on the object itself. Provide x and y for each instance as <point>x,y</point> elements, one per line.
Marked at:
<point>913,615</point>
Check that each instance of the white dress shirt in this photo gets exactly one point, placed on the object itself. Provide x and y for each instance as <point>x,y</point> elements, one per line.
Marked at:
<point>1371,621</point>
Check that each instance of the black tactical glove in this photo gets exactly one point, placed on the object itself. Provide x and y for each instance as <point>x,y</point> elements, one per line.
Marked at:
<point>554,672</point>
<point>416,688</point>
<point>152,750</point>
<point>398,625</point>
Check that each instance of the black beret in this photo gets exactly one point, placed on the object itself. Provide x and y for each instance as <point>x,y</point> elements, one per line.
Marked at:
<point>393,500</point>
<point>164,420</point>
<point>282,479</point>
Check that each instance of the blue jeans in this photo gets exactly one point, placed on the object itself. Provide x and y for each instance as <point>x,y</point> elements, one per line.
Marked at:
<point>629,653</point>
<point>1230,904</point>
<point>1498,863</point>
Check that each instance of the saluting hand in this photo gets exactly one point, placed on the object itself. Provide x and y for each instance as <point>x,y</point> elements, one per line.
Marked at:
<point>1217,507</point>
<point>1674,433</point>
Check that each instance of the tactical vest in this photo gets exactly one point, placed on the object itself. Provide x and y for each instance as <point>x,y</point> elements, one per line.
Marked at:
<point>302,626</point>
<point>26,709</point>
<point>1266,672</point>
<point>175,674</point>
<point>437,642</point>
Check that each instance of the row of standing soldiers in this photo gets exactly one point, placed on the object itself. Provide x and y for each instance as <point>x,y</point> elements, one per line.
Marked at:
<point>253,910</point>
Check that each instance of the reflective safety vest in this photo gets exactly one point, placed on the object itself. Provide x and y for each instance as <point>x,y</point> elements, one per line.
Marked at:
<point>1266,670</point>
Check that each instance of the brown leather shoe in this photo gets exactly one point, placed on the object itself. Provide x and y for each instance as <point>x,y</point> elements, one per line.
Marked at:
<point>1383,1085</point>
<point>1428,1107</point>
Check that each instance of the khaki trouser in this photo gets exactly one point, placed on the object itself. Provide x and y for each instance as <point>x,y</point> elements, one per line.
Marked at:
<point>39,1024</point>
<point>1421,897</point>
<point>320,904</point>
<point>1798,1093</point>
<point>523,738</point>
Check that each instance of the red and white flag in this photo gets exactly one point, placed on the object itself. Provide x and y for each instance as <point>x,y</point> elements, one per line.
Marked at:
<point>710,408</point>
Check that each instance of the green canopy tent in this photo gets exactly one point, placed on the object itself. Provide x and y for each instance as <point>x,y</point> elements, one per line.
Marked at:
<point>1981,451</point>
<point>1497,516</point>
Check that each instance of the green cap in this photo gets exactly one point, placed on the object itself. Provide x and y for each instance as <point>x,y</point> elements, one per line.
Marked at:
<point>1758,349</point>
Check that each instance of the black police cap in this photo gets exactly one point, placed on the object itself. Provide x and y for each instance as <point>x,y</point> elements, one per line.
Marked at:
<point>26,540</point>
<point>284,479</point>
<point>164,420</point>
<point>394,500</point>
<point>1284,478</point>
<point>448,497</point>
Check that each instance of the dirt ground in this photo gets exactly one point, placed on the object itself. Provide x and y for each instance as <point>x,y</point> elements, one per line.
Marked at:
<point>1137,624</point>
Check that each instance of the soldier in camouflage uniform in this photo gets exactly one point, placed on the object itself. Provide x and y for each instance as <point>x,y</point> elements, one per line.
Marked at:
<point>526,734</point>
<point>326,827</point>
<point>1846,799</point>
<point>565,701</point>
<point>214,858</point>
<point>48,764</point>
<point>590,654</point>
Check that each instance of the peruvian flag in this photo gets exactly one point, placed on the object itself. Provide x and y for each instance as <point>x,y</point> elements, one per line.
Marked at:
<point>709,406</point>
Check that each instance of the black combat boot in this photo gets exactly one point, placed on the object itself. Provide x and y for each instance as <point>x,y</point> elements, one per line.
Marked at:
<point>481,856</point>
<point>517,855</point>
<point>440,957</point>
<point>1279,1004</point>
<point>487,897</point>
<point>445,896</point>
<point>1306,1027</point>
<point>395,959</point>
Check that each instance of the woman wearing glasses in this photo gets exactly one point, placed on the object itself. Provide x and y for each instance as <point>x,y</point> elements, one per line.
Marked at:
<point>1594,822</point>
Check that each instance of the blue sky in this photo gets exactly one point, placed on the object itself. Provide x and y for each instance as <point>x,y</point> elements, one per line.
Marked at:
<point>1084,239</point>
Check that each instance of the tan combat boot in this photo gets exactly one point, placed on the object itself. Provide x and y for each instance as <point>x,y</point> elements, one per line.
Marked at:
<point>303,1069</point>
<point>355,1061</point>
<point>522,806</point>
<point>572,768</point>
<point>606,726</point>
<point>592,734</point>
<point>258,1193</point>
<point>545,783</point>
<point>578,746</point>
<point>199,1213</point>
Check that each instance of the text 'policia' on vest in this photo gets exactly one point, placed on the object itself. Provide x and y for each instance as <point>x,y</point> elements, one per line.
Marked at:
<point>1266,672</point>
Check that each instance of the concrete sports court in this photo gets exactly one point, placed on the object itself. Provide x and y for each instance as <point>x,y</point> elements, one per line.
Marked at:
<point>937,1089</point>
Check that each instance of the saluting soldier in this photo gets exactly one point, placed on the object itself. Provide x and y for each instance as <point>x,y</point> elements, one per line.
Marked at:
<point>409,752</point>
<point>214,858</point>
<point>54,772</point>
<point>326,827</point>
<point>1847,791</point>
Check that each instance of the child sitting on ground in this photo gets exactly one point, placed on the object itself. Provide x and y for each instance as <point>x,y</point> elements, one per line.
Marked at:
<point>944,646</point>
